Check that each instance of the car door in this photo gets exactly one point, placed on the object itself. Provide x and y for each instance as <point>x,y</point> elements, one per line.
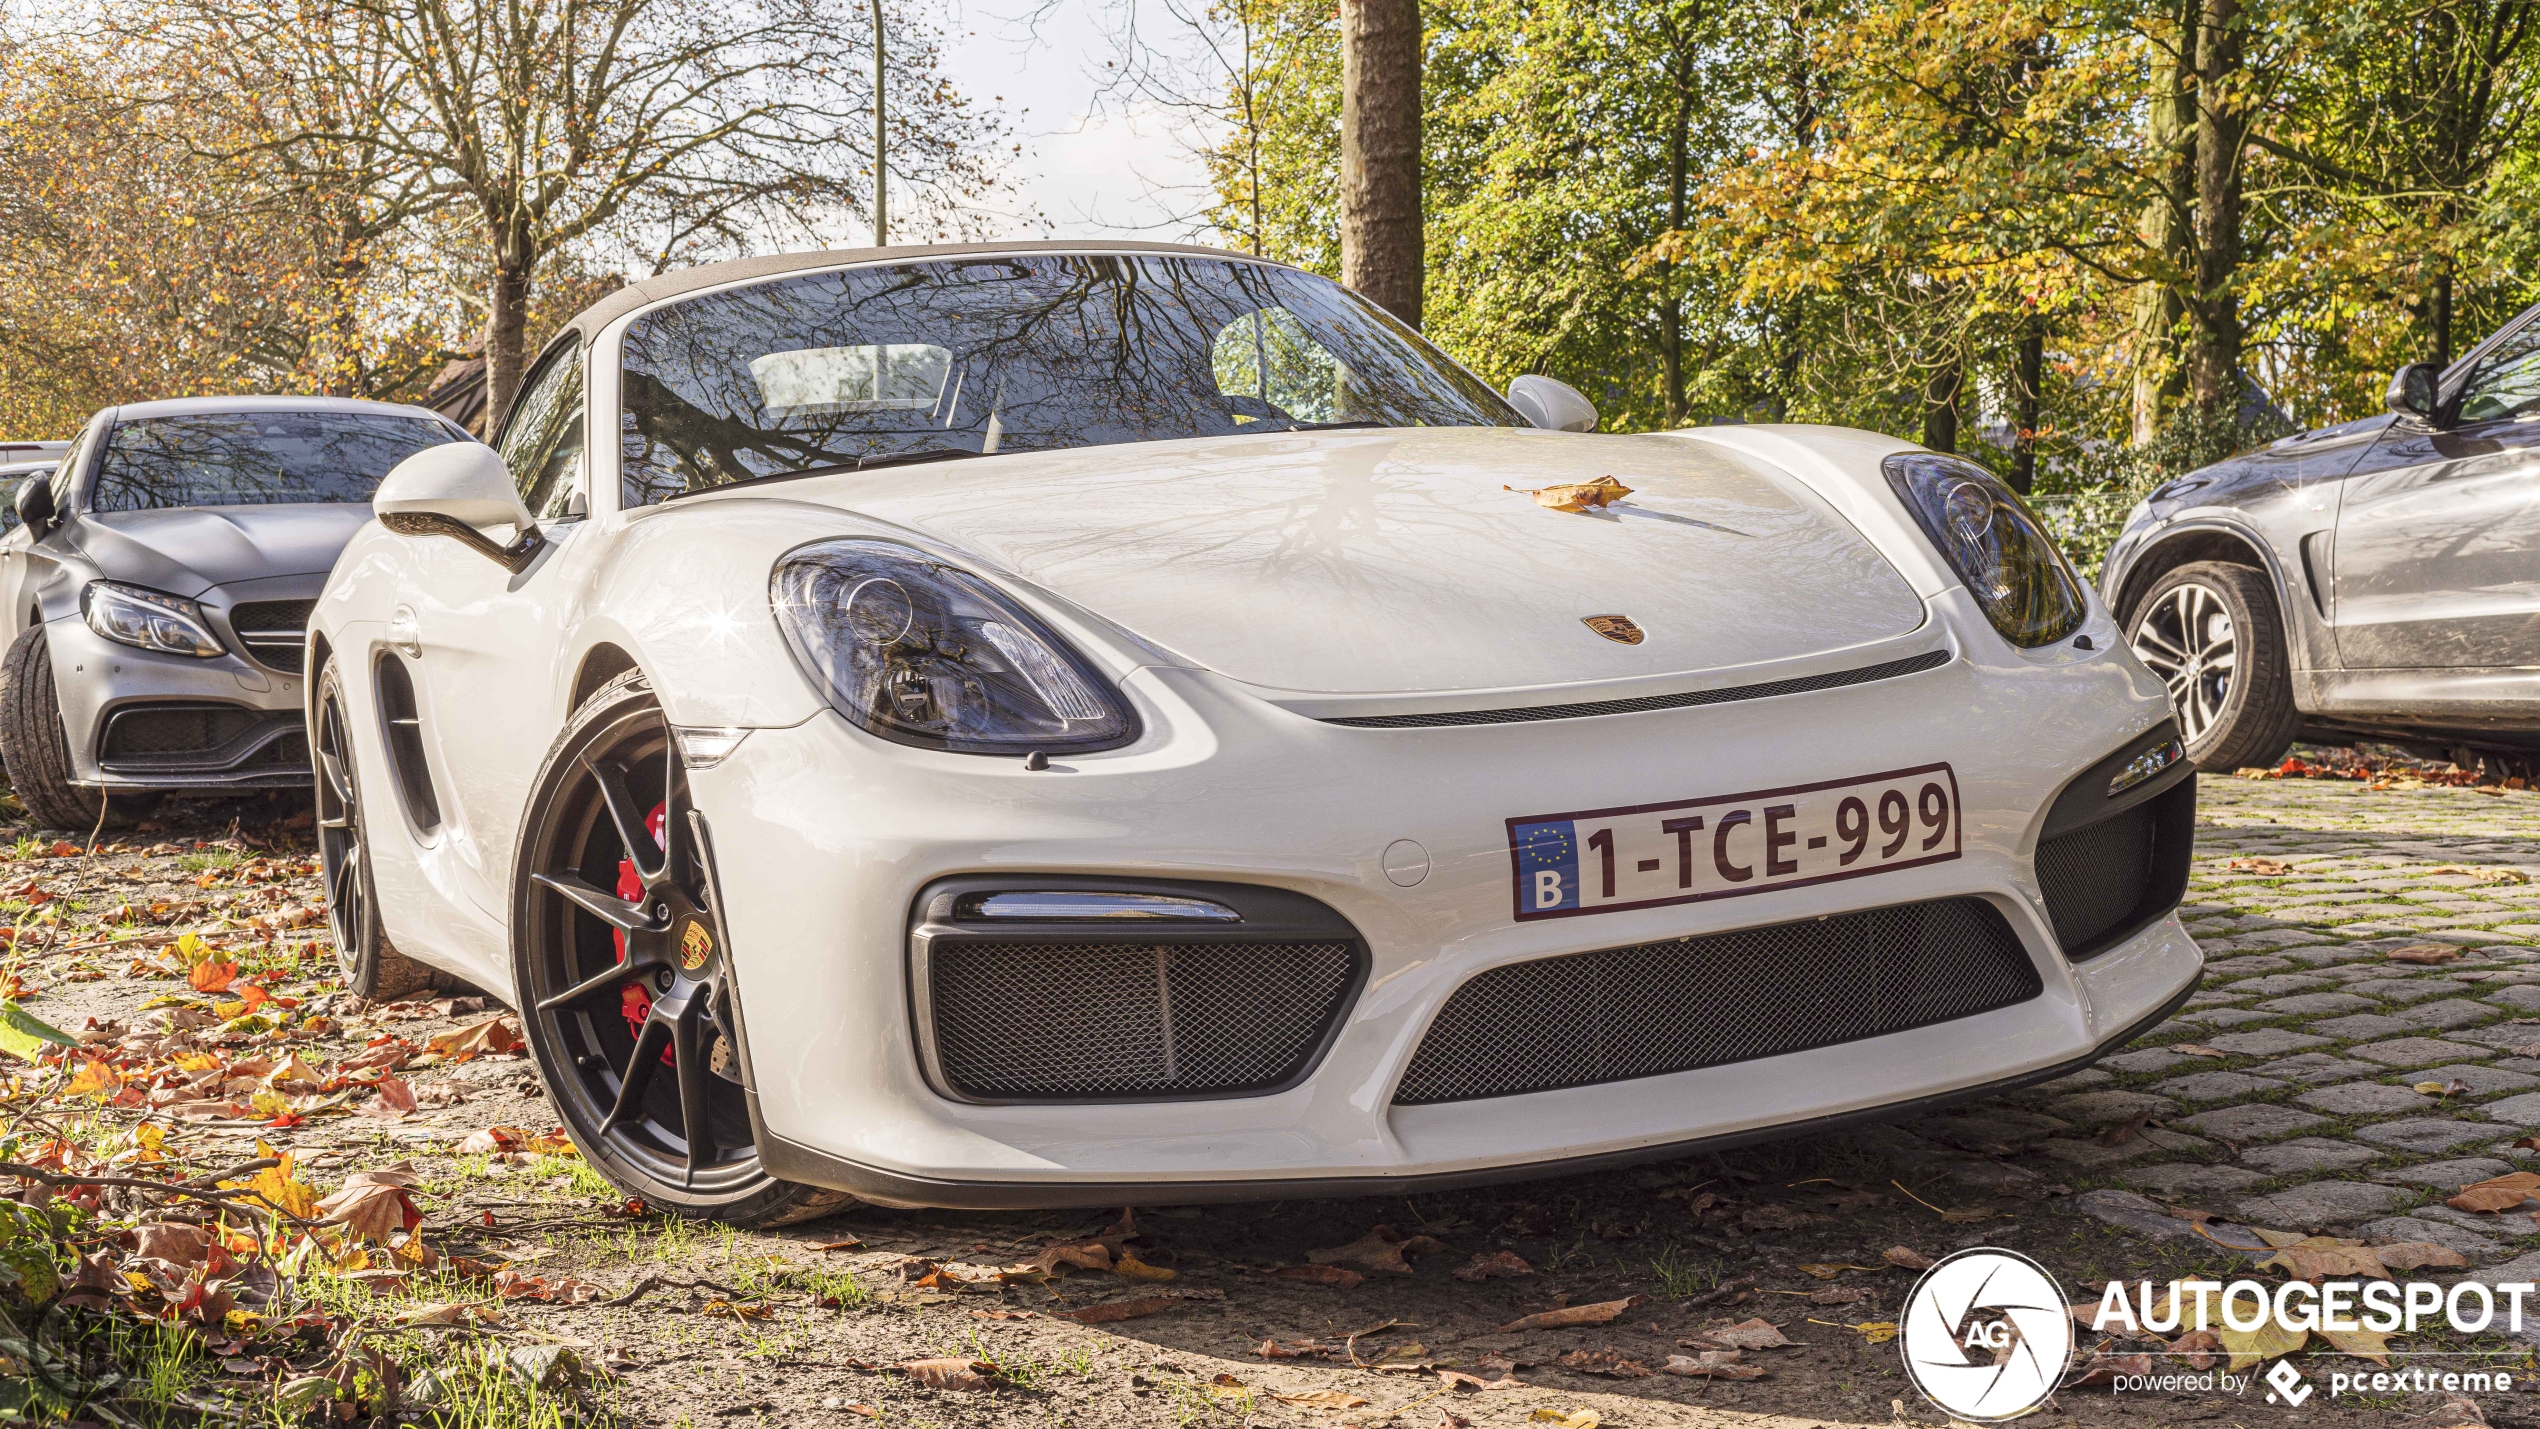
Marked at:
<point>485,641</point>
<point>22,567</point>
<point>2437,561</point>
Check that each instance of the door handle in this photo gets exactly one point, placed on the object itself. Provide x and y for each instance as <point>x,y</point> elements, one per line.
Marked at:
<point>405,633</point>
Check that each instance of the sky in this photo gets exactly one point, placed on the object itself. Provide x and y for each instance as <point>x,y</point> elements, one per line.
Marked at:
<point>1091,167</point>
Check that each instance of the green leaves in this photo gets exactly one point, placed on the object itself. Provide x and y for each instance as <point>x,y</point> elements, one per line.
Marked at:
<point>23,1034</point>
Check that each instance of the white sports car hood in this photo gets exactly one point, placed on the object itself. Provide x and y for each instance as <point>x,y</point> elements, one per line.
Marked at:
<point>1395,562</point>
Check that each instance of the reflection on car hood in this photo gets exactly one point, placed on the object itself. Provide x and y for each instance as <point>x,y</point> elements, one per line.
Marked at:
<point>188,550</point>
<point>1395,561</point>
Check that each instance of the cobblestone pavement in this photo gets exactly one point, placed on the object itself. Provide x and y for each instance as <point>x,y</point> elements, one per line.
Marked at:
<point>2291,1092</point>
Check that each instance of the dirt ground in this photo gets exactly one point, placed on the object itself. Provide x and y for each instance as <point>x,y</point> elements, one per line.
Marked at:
<point>1397,1312</point>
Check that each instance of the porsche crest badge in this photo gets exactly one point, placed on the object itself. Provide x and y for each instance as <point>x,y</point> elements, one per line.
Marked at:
<point>695,946</point>
<point>1617,628</point>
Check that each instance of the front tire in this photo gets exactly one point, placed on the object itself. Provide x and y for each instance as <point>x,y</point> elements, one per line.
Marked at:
<point>373,968</point>
<point>2212,632</point>
<point>624,989</point>
<point>35,749</point>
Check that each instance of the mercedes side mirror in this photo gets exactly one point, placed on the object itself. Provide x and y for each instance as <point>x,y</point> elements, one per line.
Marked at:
<point>34,505</point>
<point>459,490</point>
<point>1551,404</point>
<point>2412,391</point>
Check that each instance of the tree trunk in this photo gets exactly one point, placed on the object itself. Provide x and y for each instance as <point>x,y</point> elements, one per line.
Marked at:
<point>1383,252</point>
<point>2168,234</point>
<point>506,328</point>
<point>1671,317</point>
<point>1940,406</point>
<point>2028,399</point>
<point>2221,129</point>
<point>2443,314</point>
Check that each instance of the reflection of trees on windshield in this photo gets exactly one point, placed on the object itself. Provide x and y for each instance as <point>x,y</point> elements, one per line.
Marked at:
<point>1014,354</point>
<point>254,458</point>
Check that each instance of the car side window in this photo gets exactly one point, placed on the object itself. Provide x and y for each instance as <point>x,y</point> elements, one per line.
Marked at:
<point>2507,381</point>
<point>542,444</point>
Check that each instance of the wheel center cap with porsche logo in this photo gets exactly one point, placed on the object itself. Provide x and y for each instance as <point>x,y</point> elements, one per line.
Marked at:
<point>1617,628</point>
<point>696,945</point>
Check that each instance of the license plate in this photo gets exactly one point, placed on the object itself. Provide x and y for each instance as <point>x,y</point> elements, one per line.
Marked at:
<point>1691,850</point>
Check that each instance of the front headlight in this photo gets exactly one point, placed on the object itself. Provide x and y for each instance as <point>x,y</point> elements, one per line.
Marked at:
<point>1993,542</point>
<point>928,654</point>
<point>169,624</point>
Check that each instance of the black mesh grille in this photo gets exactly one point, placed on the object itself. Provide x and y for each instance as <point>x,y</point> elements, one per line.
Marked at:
<point>272,630</point>
<point>194,729</point>
<point>1930,660</point>
<point>2105,880</point>
<point>1608,1016</point>
<point>1043,1021</point>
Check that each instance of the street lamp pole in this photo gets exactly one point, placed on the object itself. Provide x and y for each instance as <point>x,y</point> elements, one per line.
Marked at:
<point>881,171</point>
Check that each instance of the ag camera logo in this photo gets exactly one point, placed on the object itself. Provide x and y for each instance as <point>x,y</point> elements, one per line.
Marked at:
<point>1985,1334</point>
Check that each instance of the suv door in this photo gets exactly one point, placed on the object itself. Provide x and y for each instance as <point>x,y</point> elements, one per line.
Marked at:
<point>2438,540</point>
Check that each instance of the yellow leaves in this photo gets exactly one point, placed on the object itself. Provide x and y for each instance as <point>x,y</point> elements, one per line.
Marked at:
<point>276,1187</point>
<point>2363,1344</point>
<point>1574,1419</point>
<point>94,1079</point>
<point>2272,1339</point>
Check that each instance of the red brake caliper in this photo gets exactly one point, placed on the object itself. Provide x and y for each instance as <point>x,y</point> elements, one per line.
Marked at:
<point>636,1000</point>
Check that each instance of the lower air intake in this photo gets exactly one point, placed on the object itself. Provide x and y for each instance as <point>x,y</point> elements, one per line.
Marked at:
<point>2107,880</point>
<point>1643,1011</point>
<point>1123,1021</point>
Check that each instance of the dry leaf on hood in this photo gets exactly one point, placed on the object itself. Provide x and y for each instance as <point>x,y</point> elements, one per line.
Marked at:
<point>1600,1313</point>
<point>374,1205</point>
<point>1577,495</point>
<point>1499,1264</point>
<point>1904,1258</point>
<point>2424,954</point>
<point>494,1034</point>
<point>951,1373</point>
<point>1712,1364</point>
<point>2501,1193</point>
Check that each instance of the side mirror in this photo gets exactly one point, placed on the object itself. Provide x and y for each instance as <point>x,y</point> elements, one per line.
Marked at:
<point>457,490</point>
<point>1551,404</point>
<point>2412,391</point>
<point>35,506</point>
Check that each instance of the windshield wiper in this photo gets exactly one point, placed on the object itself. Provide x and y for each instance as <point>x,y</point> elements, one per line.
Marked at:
<point>834,469</point>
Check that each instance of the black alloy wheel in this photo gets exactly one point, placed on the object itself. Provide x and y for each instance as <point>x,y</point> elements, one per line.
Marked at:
<point>625,988</point>
<point>373,968</point>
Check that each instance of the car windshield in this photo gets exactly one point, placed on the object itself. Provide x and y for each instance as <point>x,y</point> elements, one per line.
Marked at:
<point>983,355</point>
<point>255,458</point>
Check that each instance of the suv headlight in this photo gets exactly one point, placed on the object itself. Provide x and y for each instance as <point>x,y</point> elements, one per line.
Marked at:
<point>129,615</point>
<point>928,654</point>
<point>1993,542</point>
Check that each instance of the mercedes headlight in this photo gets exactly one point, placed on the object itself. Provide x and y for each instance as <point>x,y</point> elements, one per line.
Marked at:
<point>928,654</point>
<point>1994,543</point>
<point>129,615</point>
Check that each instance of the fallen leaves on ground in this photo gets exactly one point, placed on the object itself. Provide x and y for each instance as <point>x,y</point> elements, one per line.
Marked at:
<point>2197,1049</point>
<point>1335,1275</point>
<point>1324,1399</point>
<point>1382,1250</point>
<point>2104,1368</point>
<point>1577,495</point>
<point>1499,1264</point>
<point>1754,1334</point>
<point>2263,867</point>
<point>374,1205</point>
<point>2484,873</point>
<point>2501,1193</point>
<point>1601,1313</point>
<point>1569,1419</point>
<point>2363,1344</point>
<point>951,1372</point>
<point>1712,1364</point>
<point>738,1310</point>
<point>2423,954</point>
<point>1906,1258</point>
<point>1116,1310</point>
<point>1606,1361</point>
<point>494,1035</point>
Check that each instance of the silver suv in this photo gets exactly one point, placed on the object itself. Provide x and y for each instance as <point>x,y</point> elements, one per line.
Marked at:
<point>153,595</point>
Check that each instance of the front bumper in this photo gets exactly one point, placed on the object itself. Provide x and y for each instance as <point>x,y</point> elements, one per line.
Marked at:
<point>139,720</point>
<point>824,836</point>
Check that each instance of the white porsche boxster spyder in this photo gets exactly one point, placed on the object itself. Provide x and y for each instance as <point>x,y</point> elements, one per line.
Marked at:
<point>1059,724</point>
